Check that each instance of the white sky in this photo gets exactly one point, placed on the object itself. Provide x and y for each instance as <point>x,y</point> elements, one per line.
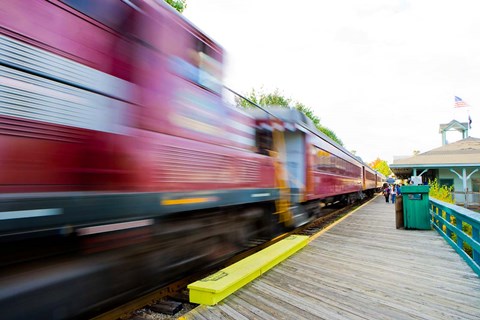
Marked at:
<point>382,74</point>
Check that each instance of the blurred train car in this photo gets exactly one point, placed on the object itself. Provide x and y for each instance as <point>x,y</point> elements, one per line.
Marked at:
<point>113,133</point>
<point>112,112</point>
<point>122,168</point>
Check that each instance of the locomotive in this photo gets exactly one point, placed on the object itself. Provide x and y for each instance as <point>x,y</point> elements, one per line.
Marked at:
<point>122,167</point>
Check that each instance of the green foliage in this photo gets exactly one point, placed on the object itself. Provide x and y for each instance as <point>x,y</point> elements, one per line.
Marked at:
<point>445,194</point>
<point>381,166</point>
<point>316,121</point>
<point>329,133</point>
<point>309,113</point>
<point>276,98</point>
<point>178,5</point>
<point>466,228</point>
<point>442,193</point>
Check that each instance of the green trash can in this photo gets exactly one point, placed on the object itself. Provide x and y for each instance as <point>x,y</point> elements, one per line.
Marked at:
<point>416,213</point>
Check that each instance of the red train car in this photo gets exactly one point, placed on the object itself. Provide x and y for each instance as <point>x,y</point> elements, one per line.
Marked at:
<point>118,103</point>
<point>113,133</point>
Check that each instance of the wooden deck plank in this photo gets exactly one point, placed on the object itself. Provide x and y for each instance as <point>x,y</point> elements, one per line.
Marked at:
<point>367,286</point>
<point>423,271</point>
<point>263,300</point>
<point>304,303</point>
<point>363,268</point>
<point>249,310</point>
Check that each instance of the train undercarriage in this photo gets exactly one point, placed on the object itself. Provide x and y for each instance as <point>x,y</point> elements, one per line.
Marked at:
<point>75,276</point>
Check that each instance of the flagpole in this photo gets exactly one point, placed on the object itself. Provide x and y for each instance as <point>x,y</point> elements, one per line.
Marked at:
<point>469,121</point>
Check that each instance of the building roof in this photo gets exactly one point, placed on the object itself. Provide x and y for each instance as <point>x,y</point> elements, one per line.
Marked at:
<point>465,152</point>
<point>454,125</point>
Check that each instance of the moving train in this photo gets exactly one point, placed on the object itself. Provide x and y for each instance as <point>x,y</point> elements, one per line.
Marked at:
<point>121,165</point>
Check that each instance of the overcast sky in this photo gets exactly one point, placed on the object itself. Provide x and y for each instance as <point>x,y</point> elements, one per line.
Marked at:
<point>382,74</point>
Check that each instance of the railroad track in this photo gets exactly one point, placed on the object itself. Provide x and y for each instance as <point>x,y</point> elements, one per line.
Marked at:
<point>325,220</point>
<point>172,301</point>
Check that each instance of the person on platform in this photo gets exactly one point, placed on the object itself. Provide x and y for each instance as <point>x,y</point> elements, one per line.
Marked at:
<point>394,193</point>
<point>386,192</point>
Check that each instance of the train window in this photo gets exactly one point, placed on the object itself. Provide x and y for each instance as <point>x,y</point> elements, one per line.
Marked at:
<point>209,75</point>
<point>370,176</point>
<point>329,163</point>
<point>264,141</point>
<point>198,65</point>
<point>322,159</point>
<point>111,13</point>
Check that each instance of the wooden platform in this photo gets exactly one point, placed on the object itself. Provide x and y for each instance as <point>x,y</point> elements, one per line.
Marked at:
<point>363,268</point>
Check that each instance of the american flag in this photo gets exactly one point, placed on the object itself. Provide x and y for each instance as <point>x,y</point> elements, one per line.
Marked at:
<point>460,103</point>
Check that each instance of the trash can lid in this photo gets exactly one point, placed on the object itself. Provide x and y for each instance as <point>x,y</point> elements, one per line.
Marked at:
<point>415,189</point>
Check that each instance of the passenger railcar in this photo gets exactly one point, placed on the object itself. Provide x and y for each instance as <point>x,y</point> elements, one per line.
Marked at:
<point>119,102</point>
<point>114,134</point>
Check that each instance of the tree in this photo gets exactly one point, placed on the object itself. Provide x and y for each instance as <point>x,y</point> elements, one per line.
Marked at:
<point>263,99</point>
<point>381,166</point>
<point>329,133</point>
<point>178,5</point>
<point>276,98</point>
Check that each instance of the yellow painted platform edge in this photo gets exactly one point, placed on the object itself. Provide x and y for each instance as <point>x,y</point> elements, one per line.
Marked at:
<point>207,296</point>
<point>285,255</point>
<point>252,263</point>
<point>212,298</point>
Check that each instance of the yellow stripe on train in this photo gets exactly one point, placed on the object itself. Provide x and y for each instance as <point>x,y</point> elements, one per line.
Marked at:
<point>172,202</point>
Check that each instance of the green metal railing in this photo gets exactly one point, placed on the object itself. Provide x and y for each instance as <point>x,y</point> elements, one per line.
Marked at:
<point>460,227</point>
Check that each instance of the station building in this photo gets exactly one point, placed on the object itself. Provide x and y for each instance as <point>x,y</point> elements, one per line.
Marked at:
<point>456,164</point>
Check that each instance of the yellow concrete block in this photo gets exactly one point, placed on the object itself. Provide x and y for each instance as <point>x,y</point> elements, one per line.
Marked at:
<point>217,286</point>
